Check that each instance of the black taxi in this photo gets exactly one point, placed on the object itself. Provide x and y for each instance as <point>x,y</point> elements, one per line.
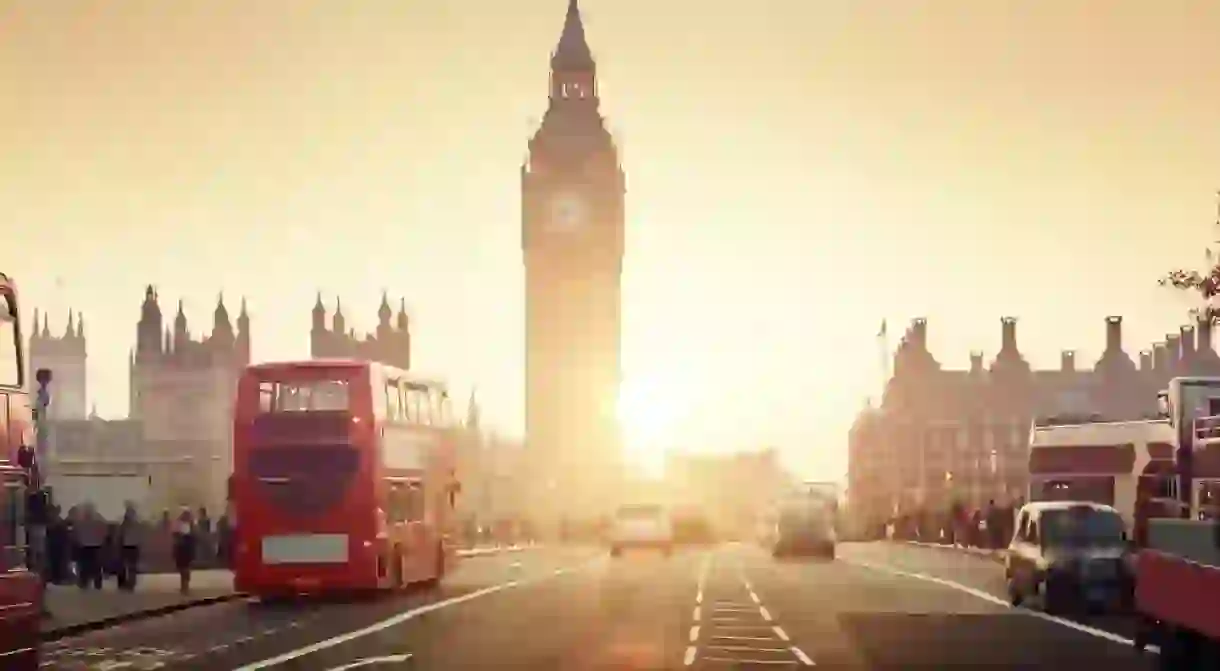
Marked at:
<point>1066,555</point>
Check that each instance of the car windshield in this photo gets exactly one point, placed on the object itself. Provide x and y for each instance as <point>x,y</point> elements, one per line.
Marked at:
<point>1082,527</point>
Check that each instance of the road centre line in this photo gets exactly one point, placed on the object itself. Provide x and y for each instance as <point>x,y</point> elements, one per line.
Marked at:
<point>390,659</point>
<point>405,616</point>
<point>984,596</point>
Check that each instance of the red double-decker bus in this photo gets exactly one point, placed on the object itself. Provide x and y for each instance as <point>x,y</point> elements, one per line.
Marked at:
<point>20,588</point>
<point>344,478</point>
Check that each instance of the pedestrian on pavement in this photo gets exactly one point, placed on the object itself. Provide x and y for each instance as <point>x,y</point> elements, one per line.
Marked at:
<point>184,548</point>
<point>130,537</point>
<point>57,546</point>
<point>90,538</point>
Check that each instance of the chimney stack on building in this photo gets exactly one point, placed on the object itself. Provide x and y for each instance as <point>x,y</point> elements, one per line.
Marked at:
<point>1160,358</point>
<point>1008,334</point>
<point>1067,361</point>
<point>919,333</point>
<point>1114,333</point>
<point>1186,340</point>
<point>1173,350</point>
<point>1203,332</point>
<point>976,362</point>
<point>1145,361</point>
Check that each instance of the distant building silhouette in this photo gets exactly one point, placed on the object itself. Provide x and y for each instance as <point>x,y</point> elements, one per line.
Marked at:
<point>390,344</point>
<point>66,357</point>
<point>182,392</point>
<point>943,434</point>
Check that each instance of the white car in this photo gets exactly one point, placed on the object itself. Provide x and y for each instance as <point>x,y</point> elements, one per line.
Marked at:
<point>641,526</point>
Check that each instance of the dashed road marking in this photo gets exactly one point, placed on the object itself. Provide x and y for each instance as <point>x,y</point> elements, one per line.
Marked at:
<point>689,657</point>
<point>704,567</point>
<point>754,597</point>
<point>694,633</point>
<point>984,596</point>
<point>695,614</point>
<point>801,656</point>
<point>779,631</point>
<point>765,613</point>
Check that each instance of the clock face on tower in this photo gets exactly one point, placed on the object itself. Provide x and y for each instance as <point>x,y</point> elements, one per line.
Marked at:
<point>568,213</point>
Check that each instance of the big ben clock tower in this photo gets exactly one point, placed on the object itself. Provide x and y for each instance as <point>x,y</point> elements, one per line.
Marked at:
<point>572,190</point>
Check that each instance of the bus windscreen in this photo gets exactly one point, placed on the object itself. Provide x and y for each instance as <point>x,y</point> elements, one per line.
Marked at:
<point>304,396</point>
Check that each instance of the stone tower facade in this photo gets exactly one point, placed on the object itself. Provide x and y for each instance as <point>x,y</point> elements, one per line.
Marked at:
<point>572,236</point>
<point>67,358</point>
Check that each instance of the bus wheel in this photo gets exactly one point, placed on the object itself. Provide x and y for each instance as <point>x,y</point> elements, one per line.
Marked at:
<point>439,570</point>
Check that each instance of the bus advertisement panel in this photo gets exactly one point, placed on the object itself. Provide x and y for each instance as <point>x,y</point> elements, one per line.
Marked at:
<point>344,478</point>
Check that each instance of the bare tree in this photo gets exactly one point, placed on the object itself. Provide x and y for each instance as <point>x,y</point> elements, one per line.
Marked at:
<point>1204,283</point>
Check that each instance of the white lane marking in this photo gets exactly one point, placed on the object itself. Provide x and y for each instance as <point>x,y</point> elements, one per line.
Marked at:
<point>694,633</point>
<point>800,654</point>
<point>704,567</point>
<point>743,638</point>
<point>744,648</point>
<point>979,594</point>
<point>689,658</point>
<point>754,598</point>
<point>390,659</point>
<point>736,660</point>
<point>399,619</point>
<point>765,613</point>
<point>779,631</point>
<point>734,609</point>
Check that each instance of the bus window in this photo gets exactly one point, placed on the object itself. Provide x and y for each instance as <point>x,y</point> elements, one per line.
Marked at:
<point>10,343</point>
<point>396,506</point>
<point>12,526</point>
<point>415,503</point>
<point>393,401</point>
<point>317,396</point>
<point>418,410</point>
<point>446,410</point>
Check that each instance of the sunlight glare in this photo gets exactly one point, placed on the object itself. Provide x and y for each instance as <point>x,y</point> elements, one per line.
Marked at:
<point>651,412</point>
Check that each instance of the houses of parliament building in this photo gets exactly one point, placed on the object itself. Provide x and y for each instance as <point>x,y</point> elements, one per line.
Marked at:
<point>941,434</point>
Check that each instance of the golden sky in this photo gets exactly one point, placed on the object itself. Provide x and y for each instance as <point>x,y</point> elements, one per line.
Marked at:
<point>796,172</point>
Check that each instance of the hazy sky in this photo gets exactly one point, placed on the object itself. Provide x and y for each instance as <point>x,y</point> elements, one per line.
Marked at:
<point>796,172</point>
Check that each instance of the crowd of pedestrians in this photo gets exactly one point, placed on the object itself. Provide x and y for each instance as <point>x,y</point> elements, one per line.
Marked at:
<point>82,547</point>
<point>989,527</point>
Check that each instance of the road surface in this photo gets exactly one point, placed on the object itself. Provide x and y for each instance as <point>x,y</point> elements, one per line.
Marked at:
<point>880,606</point>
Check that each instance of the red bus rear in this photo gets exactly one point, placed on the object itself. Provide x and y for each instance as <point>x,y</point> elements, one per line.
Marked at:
<point>343,478</point>
<point>20,589</point>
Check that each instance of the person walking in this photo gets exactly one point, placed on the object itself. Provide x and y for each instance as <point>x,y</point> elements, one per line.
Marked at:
<point>130,537</point>
<point>91,538</point>
<point>184,548</point>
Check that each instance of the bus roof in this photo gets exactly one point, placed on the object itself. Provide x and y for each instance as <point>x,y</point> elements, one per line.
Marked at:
<point>1102,433</point>
<point>354,364</point>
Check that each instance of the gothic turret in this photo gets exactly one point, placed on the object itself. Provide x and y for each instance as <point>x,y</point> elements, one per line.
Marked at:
<point>390,343</point>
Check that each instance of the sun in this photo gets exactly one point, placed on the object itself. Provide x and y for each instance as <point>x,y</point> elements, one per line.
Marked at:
<point>650,412</point>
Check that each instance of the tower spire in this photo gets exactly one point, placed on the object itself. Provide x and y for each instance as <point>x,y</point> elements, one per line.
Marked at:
<point>572,54</point>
